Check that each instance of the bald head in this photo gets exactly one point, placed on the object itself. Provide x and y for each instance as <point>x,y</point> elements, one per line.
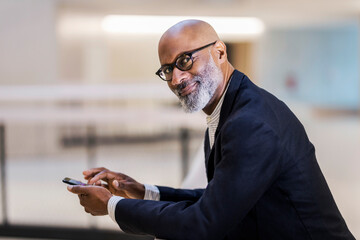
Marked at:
<point>200,86</point>
<point>184,36</point>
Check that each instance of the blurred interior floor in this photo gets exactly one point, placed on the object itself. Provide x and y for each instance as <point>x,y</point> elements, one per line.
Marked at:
<point>7,238</point>
<point>47,202</point>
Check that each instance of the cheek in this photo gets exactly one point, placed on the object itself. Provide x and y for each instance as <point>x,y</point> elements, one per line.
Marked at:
<point>171,86</point>
<point>181,77</point>
<point>198,67</point>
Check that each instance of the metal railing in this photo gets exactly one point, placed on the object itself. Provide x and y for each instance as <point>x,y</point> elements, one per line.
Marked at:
<point>91,141</point>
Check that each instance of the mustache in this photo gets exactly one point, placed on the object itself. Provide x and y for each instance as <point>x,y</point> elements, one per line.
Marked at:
<point>180,87</point>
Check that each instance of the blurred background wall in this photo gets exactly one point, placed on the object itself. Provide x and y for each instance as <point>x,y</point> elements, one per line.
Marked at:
<point>74,96</point>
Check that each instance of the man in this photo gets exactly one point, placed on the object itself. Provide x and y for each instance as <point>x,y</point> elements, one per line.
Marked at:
<point>263,178</point>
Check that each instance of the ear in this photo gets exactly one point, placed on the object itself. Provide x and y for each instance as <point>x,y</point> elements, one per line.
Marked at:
<point>220,51</point>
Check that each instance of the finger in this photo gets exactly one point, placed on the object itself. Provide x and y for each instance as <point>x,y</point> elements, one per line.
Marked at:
<point>120,185</point>
<point>115,184</point>
<point>82,201</point>
<point>98,176</point>
<point>92,172</point>
<point>82,196</point>
<point>117,188</point>
<point>104,175</point>
<point>77,189</point>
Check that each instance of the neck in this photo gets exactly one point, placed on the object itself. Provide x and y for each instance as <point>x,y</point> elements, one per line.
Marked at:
<point>229,69</point>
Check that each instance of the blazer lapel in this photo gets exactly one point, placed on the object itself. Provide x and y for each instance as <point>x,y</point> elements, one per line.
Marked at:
<point>207,144</point>
<point>224,113</point>
<point>207,152</point>
<point>229,99</point>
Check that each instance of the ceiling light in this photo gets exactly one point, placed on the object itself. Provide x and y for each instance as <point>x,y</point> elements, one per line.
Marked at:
<point>138,24</point>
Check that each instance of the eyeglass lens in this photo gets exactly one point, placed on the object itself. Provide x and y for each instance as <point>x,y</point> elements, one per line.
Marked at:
<point>183,62</point>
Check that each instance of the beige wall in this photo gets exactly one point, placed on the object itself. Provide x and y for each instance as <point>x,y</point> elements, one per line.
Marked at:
<point>241,56</point>
<point>27,42</point>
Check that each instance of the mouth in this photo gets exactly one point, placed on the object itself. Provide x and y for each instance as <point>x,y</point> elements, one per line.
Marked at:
<point>188,89</point>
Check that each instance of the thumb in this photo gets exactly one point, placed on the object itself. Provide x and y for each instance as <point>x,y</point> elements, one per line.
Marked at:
<point>115,183</point>
<point>77,189</point>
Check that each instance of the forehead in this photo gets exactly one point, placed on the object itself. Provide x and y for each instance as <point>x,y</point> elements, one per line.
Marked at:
<point>169,50</point>
<point>182,37</point>
<point>172,46</point>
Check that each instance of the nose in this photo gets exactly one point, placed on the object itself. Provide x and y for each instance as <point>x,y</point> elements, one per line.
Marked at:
<point>178,76</point>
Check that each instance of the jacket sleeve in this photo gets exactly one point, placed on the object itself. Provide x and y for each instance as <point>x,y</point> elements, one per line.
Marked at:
<point>250,162</point>
<point>176,195</point>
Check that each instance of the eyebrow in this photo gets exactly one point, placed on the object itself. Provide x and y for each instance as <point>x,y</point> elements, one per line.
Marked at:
<point>186,52</point>
<point>178,55</point>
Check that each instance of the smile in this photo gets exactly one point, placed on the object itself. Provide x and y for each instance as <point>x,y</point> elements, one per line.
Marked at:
<point>189,89</point>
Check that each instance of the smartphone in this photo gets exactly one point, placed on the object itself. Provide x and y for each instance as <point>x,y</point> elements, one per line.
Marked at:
<point>71,181</point>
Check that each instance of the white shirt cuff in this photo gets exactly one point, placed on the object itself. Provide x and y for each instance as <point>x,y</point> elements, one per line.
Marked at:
<point>151,192</point>
<point>111,206</point>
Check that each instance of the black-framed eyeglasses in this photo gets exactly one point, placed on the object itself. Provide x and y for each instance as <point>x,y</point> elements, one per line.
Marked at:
<point>184,63</point>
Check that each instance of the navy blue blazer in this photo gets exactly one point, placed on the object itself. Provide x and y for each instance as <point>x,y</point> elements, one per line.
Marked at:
<point>264,181</point>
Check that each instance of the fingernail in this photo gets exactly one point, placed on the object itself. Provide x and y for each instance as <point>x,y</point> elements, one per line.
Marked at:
<point>69,187</point>
<point>115,183</point>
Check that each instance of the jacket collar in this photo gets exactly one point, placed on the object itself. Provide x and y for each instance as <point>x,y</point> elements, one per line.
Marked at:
<point>226,108</point>
<point>229,99</point>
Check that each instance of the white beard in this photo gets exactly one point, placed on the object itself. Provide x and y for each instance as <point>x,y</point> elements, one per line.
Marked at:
<point>208,80</point>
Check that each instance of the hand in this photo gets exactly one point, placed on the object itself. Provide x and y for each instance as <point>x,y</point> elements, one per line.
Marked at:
<point>94,199</point>
<point>118,184</point>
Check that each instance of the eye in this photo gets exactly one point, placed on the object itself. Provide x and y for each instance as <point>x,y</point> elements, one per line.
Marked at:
<point>167,70</point>
<point>184,62</point>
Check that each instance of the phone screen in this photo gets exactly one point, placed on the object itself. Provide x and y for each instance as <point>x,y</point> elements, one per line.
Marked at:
<point>71,181</point>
